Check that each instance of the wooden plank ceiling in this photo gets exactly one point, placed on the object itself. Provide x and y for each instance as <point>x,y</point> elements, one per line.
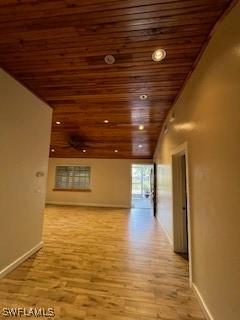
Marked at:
<point>57,49</point>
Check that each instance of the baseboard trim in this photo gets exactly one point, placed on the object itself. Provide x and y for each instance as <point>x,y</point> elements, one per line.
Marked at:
<point>100,205</point>
<point>20,260</point>
<point>166,233</point>
<point>202,303</point>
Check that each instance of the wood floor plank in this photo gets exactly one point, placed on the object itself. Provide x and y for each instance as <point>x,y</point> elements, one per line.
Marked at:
<point>103,264</point>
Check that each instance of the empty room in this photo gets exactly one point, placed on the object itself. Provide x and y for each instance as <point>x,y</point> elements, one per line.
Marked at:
<point>119,143</point>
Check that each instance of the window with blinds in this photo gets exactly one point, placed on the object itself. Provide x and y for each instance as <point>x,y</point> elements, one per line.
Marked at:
<point>72,178</point>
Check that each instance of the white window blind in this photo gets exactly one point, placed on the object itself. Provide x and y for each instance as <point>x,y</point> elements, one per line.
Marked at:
<point>72,177</point>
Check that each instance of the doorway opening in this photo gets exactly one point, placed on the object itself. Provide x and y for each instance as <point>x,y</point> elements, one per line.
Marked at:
<point>181,209</point>
<point>142,187</point>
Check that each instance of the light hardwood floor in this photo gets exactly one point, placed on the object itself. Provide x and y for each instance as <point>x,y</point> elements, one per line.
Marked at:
<point>104,264</point>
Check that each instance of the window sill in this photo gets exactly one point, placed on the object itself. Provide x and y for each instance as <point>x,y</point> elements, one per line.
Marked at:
<point>73,190</point>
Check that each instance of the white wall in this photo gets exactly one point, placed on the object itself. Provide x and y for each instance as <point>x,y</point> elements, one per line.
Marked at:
<point>25,123</point>
<point>208,119</point>
<point>110,183</point>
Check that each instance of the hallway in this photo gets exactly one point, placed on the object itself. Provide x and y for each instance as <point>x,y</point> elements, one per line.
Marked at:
<point>108,264</point>
<point>142,203</point>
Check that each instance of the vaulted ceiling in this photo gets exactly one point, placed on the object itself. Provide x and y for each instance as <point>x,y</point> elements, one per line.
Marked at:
<point>57,49</point>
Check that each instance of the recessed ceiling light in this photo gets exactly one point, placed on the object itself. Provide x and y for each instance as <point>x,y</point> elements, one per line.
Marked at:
<point>58,122</point>
<point>106,121</point>
<point>116,150</point>
<point>109,59</point>
<point>52,150</point>
<point>84,150</point>
<point>143,97</point>
<point>159,55</point>
<point>140,146</point>
<point>141,127</point>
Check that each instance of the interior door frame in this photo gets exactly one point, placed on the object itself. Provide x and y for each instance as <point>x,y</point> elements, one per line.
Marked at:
<point>176,194</point>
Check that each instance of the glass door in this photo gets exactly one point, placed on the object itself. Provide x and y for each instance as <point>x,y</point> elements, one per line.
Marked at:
<point>141,186</point>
